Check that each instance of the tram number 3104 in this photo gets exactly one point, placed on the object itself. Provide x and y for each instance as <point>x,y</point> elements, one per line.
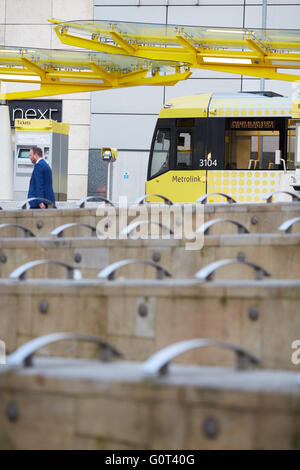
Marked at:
<point>207,162</point>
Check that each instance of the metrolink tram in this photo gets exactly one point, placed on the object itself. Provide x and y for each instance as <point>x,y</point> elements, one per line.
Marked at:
<point>241,144</point>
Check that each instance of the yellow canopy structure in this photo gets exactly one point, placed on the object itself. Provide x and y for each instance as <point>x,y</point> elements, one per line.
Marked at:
<point>266,53</point>
<point>122,54</point>
<point>66,71</point>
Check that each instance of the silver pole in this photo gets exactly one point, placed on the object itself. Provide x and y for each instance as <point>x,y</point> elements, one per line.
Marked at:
<point>262,80</point>
<point>263,25</point>
<point>108,184</point>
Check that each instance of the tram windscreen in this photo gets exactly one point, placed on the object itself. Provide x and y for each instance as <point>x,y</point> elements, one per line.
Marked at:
<point>161,152</point>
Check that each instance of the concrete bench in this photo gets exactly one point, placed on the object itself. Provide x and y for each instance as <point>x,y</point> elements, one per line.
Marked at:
<point>277,253</point>
<point>140,317</point>
<point>258,218</point>
<point>81,404</point>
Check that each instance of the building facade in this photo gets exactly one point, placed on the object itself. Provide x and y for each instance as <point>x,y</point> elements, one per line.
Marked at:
<point>125,118</point>
<point>24,23</point>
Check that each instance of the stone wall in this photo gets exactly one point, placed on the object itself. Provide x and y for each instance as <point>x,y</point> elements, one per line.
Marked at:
<point>24,23</point>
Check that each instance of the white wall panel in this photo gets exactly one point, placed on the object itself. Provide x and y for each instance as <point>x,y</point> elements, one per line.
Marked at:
<point>273,2</point>
<point>191,87</point>
<point>79,137</point>
<point>145,100</point>
<point>185,3</point>
<point>283,2</point>
<point>1,34</point>
<point>281,87</point>
<point>78,162</point>
<point>253,17</point>
<point>72,10</point>
<point>11,87</point>
<point>155,2</point>
<point>22,35</point>
<point>284,17</point>
<point>27,11</point>
<point>205,2</point>
<point>251,85</point>
<point>292,71</point>
<point>210,74</point>
<point>163,2</point>
<point>129,175</point>
<point>77,111</point>
<point>121,131</point>
<point>207,15</point>
<point>2,11</point>
<point>77,187</point>
<point>128,13</point>
<point>115,2</point>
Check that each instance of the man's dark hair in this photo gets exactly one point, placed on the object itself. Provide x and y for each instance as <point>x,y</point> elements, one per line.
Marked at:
<point>37,151</point>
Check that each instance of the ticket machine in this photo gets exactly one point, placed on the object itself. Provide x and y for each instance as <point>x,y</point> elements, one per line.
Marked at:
<point>53,138</point>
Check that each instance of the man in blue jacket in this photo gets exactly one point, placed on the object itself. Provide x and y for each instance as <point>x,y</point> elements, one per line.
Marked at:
<point>41,180</point>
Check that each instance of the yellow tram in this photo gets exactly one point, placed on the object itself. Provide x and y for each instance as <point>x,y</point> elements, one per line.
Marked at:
<point>241,144</point>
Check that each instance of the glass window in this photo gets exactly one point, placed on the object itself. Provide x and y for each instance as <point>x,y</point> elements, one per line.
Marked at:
<point>291,148</point>
<point>251,150</point>
<point>269,144</point>
<point>161,152</point>
<point>186,122</point>
<point>184,151</point>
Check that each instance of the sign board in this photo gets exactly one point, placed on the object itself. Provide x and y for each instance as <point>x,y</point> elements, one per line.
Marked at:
<point>35,109</point>
<point>253,124</point>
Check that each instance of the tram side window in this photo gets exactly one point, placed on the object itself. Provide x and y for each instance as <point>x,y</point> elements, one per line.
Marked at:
<point>291,147</point>
<point>161,152</point>
<point>184,150</point>
<point>251,150</point>
<point>270,143</point>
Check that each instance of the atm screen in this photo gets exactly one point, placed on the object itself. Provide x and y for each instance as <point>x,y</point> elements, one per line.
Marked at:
<point>23,153</point>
